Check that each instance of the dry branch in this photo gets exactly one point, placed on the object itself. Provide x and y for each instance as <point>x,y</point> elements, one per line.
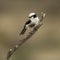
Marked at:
<point>30,34</point>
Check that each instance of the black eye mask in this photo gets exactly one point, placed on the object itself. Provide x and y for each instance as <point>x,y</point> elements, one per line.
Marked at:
<point>33,16</point>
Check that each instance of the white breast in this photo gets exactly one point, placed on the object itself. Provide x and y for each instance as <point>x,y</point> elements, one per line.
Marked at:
<point>35,20</point>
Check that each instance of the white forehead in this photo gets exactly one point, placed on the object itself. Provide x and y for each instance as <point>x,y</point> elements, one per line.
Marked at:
<point>31,14</point>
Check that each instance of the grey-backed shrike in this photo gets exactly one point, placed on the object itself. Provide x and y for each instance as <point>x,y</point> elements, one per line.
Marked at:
<point>31,23</point>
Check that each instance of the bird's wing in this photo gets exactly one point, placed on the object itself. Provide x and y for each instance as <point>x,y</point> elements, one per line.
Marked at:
<point>24,29</point>
<point>28,22</point>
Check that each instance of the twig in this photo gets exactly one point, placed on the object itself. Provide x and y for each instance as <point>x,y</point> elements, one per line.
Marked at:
<point>30,34</point>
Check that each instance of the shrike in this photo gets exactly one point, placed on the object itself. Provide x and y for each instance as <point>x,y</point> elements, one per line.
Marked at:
<point>30,23</point>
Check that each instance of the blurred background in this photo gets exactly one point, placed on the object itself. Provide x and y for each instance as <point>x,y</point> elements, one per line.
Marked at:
<point>44,44</point>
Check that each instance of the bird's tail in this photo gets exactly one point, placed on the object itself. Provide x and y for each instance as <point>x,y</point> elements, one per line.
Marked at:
<point>23,31</point>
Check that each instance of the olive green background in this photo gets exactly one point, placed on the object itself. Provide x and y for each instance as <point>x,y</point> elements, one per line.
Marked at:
<point>45,44</point>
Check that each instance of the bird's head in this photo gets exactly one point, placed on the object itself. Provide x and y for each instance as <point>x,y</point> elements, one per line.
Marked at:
<point>32,15</point>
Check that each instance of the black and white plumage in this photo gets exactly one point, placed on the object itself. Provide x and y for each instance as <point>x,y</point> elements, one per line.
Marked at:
<point>32,22</point>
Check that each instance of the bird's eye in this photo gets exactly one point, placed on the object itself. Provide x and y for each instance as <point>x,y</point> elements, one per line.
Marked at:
<point>34,16</point>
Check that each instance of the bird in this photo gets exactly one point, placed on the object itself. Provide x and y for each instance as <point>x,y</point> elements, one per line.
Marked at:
<point>30,23</point>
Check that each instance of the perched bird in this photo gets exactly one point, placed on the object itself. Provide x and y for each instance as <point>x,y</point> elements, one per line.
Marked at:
<point>30,23</point>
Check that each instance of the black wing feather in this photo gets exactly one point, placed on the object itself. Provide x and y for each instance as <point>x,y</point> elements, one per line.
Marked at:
<point>29,21</point>
<point>24,29</point>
